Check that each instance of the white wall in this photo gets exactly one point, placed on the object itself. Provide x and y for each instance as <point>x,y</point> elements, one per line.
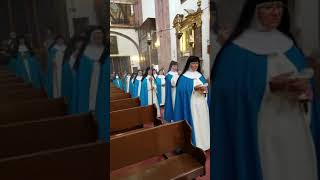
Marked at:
<point>84,8</point>
<point>132,33</point>
<point>125,46</point>
<point>148,9</point>
<point>178,8</point>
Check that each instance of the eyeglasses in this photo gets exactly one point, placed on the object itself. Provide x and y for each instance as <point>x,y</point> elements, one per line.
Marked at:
<point>271,5</point>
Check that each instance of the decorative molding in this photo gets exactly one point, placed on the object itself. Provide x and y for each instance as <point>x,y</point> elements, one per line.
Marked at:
<point>193,19</point>
<point>186,27</point>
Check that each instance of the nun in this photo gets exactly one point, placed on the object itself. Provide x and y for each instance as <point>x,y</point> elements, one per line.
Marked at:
<point>131,85</point>
<point>25,64</point>
<point>259,127</point>
<point>154,73</point>
<point>127,82</point>
<point>68,71</point>
<point>137,84</point>
<point>54,68</point>
<point>118,82</point>
<point>148,95</point>
<point>91,78</point>
<point>161,87</point>
<point>171,80</point>
<point>191,104</point>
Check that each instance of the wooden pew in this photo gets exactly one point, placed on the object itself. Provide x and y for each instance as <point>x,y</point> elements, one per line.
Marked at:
<point>15,89</point>
<point>4,70</point>
<point>153,142</point>
<point>15,85</point>
<point>119,96</point>
<point>53,133</point>
<point>132,119</point>
<point>6,75</point>
<point>21,95</point>
<point>10,79</point>
<point>81,162</point>
<point>32,110</point>
<point>124,104</point>
<point>114,91</point>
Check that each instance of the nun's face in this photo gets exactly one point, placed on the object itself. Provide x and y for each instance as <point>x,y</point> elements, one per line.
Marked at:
<point>149,72</point>
<point>270,14</point>
<point>97,37</point>
<point>161,73</point>
<point>174,68</point>
<point>194,66</point>
<point>140,73</point>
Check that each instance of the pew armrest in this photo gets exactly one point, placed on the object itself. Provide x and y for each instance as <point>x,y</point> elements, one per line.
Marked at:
<point>178,167</point>
<point>158,122</point>
<point>196,153</point>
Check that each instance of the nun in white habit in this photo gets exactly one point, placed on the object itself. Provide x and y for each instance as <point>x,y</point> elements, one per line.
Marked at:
<point>258,123</point>
<point>89,73</point>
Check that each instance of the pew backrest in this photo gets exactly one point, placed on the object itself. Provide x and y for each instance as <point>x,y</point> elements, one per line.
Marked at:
<point>32,110</point>
<point>53,133</point>
<point>81,162</point>
<point>124,104</point>
<point>134,118</point>
<point>119,96</point>
<point>151,142</point>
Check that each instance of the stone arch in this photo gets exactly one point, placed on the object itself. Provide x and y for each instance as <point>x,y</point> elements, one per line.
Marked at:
<point>129,38</point>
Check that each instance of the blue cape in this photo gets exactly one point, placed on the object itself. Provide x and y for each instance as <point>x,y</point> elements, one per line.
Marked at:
<point>131,87</point>
<point>168,107</point>
<point>159,90</point>
<point>144,93</point>
<point>102,107</point>
<point>49,78</point>
<point>118,83</point>
<point>182,108</point>
<point>236,95</point>
<point>136,88</point>
<point>67,86</point>
<point>125,83</point>
<point>83,83</point>
<point>35,70</point>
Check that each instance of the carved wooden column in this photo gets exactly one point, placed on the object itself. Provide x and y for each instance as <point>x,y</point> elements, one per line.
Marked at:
<point>198,41</point>
<point>177,25</point>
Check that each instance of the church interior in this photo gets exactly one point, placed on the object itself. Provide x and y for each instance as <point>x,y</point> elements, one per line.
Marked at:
<point>42,136</point>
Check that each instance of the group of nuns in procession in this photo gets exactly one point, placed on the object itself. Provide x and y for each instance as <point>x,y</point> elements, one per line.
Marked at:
<point>264,101</point>
<point>264,104</point>
<point>183,96</point>
<point>76,71</point>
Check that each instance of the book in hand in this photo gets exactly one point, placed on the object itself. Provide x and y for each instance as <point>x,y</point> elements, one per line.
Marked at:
<point>307,74</point>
